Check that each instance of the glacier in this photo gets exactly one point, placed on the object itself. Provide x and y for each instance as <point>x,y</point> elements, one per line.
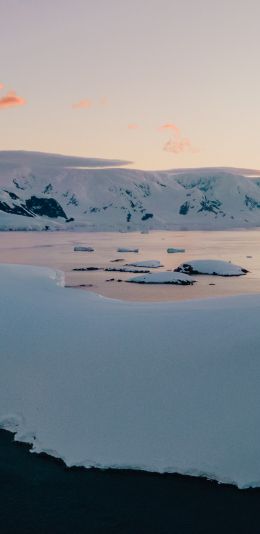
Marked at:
<point>172,387</point>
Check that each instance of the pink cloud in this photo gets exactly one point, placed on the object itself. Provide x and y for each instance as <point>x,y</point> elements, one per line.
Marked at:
<point>11,99</point>
<point>83,104</point>
<point>170,126</point>
<point>176,144</point>
<point>132,126</point>
<point>1,86</point>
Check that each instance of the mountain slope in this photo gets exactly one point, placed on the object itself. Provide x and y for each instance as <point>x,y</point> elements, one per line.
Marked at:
<point>41,191</point>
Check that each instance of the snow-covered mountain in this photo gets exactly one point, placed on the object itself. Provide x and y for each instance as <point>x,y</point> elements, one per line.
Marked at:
<point>45,191</point>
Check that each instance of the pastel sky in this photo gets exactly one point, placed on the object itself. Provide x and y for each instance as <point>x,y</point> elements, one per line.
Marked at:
<point>163,83</point>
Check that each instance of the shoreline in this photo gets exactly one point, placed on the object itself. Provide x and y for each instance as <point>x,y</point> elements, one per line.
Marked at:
<point>40,494</point>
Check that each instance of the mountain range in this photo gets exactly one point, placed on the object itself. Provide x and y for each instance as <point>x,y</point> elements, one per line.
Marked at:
<point>49,192</point>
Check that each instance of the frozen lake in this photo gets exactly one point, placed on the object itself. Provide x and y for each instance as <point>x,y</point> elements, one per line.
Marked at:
<point>55,249</point>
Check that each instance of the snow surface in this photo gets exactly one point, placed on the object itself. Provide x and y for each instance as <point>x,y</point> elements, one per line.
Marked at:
<point>167,387</point>
<point>163,278</point>
<point>216,267</point>
<point>151,264</point>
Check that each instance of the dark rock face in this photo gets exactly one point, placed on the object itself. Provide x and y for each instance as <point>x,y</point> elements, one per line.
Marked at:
<point>48,207</point>
<point>147,216</point>
<point>13,196</point>
<point>251,203</point>
<point>209,205</point>
<point>48,189</point>
<point>184,208</point>
<point>15,210</point>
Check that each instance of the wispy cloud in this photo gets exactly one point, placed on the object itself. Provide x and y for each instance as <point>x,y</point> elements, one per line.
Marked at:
<point>83,104</point>
<point>170,126</point>
<point>86,103</point>
<point>132,126</point>
<point>11,99</point>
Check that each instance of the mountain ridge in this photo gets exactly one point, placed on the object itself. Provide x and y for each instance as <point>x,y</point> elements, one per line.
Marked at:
<point>39,191</point>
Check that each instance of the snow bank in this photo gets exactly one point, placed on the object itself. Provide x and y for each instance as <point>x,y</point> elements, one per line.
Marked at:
<point>167,387</point>
<point>164,278</point>
<point>216,267</point>
<point>151,264</point>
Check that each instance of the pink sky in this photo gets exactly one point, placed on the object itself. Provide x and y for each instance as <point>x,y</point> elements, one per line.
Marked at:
<point>173,85</point>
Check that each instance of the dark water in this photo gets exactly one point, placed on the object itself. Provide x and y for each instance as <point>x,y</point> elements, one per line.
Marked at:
<point>39,494</point>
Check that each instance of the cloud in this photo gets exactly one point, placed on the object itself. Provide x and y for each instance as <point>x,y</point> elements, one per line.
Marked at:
<point>176,146</point>
<point>83,104</point>
<point>11,99</point>
<point>1,86</point>
<point>170,126</point>
<point>132,126</point>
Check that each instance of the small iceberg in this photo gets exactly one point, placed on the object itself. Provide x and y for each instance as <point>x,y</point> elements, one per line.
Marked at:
<point>164,278</point>
<point>175,250</point>
<point>151,264</point>
<point>122,249</point>
<point>215,267</point>
<point>80,248</point>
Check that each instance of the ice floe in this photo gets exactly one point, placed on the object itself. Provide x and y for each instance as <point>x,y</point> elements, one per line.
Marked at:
<point>151,264</point>
<point>216,267</point>
<point>164,278</point>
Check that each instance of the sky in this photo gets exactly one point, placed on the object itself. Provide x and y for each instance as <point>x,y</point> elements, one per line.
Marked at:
<point>161,83</point>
